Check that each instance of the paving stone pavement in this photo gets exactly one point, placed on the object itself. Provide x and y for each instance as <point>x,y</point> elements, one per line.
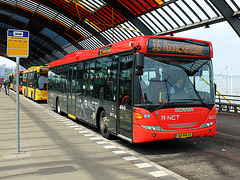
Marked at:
<point>55,147</point>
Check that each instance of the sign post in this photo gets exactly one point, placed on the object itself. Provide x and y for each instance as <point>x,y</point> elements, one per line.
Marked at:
<point>17,46</point>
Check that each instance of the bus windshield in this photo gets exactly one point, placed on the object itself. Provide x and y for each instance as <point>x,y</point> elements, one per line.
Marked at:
<point>175,82</point>
<point>42,80</point>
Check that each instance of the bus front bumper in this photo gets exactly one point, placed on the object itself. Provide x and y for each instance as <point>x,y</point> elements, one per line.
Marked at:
<point>141,134</point>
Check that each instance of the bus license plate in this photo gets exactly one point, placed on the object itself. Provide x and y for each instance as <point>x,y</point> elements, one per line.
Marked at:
<point>184,135</point>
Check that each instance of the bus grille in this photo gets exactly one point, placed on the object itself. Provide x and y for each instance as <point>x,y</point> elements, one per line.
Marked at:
<point>183,125</point>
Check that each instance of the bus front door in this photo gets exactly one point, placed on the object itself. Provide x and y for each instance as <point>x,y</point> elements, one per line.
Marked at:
<point>125,95</point>
<point>71,91</point>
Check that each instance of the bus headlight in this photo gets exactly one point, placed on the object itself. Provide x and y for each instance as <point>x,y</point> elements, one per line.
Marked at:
<point>152,128</point>
<point>208,124</point>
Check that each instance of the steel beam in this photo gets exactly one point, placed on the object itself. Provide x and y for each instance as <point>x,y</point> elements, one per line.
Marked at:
<point>130,17</point>
<point>75,19</point>
<point>224,8</point>
<point>192,26</point>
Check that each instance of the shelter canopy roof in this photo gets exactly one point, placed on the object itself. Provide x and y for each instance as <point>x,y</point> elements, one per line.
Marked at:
<point>59,27</point>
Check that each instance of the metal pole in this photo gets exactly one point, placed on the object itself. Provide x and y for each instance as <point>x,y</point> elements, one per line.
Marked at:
<point>231,83</point>
<point>17,98</point>
<point>226,80</point>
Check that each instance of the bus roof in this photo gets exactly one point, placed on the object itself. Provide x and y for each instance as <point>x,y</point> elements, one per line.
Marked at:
<point>35,69</point>
<point>125,45</point>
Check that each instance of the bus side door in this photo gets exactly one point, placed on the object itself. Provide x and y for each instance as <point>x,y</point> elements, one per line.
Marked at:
<point>125,95</point>
<point>71,90</point>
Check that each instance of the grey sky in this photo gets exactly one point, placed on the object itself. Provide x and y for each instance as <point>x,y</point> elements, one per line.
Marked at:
<point>226,46</point>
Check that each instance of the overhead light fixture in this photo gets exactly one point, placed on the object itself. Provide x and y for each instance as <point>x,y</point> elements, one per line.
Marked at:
<point>171,34</point>
<point>207,26</point>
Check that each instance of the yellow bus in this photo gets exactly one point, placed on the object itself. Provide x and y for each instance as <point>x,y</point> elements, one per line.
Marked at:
<point>35,83</point>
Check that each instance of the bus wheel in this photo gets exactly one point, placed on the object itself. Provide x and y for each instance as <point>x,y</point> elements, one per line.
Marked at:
<point>58,108</point>
<point>103,122</point>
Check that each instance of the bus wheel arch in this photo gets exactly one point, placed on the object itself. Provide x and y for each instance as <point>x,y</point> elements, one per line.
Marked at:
<point>102,123</point>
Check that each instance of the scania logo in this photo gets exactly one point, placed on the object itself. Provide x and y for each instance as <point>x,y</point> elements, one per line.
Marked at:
<point>184,110</point>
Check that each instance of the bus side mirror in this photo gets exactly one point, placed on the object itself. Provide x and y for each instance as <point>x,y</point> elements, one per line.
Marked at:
<point>139,63</point>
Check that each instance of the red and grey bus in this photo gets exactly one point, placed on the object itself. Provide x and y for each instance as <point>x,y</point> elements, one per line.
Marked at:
<point>129,88</point>
<point>14,84</point>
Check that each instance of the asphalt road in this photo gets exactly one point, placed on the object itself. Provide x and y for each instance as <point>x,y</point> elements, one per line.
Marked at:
<point>199,158</point>
<point>215,158</point>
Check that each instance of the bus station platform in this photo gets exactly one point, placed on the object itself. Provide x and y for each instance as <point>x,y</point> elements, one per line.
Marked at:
<point>55,147</point>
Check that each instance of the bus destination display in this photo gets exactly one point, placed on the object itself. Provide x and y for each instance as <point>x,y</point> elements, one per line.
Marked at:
<point>105,50</point>
<point>178,47</point>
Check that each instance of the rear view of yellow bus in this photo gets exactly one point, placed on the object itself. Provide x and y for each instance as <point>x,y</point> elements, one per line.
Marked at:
<point>35,83</point>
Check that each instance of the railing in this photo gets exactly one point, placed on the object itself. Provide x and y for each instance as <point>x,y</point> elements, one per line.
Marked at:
<point>227,103</point>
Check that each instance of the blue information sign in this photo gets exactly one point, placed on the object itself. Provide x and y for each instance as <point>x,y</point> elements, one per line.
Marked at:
<point>17,43</point>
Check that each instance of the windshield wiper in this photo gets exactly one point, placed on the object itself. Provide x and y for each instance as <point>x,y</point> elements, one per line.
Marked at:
<point>160,107</point>
<point>200,99</point>
<point>188,100</point>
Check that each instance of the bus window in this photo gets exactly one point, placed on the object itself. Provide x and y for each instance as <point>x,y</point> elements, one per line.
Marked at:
<point>21,79</point>
<point>24,79</point>
<point>199,81</point>
<point>79,82</point>
<point>58,79</point>
<point>153,88</point>
<point>113,80</point>
<point>103,70</point>
<point>42,81</point>
<point>31,80</point>
<point>51,79</point>
<point>64,79</point>
<point>91,78</point>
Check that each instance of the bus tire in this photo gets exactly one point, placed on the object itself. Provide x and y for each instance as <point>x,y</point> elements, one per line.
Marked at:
<point>58,108</point>
<point>103,125</point>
